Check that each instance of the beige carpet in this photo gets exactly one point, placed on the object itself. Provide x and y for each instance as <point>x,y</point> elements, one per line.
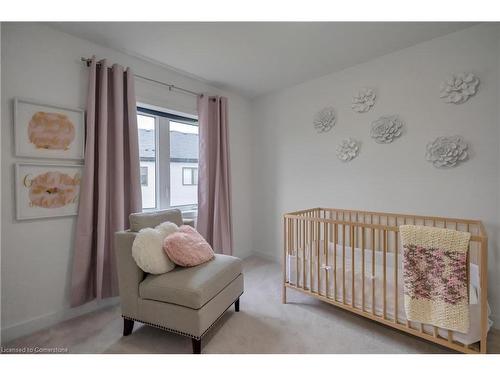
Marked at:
<point>263,325</point>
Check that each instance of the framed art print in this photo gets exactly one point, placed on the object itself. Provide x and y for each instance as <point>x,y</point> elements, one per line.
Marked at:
<point>47,190</point>
<point>48,131</point>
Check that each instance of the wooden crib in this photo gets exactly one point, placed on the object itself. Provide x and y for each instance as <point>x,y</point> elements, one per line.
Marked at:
<point>332,254</point>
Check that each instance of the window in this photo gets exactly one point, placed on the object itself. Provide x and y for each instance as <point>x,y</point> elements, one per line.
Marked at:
<point>168,151</point>
<point>189,176</point>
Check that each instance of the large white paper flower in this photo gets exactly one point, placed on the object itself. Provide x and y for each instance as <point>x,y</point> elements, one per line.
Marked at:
<point>459,88</point>
<point>363,101</point>
<point>348,149</point>
<point>447,152</point>
<point>386,129</point>
<point>324,120</point>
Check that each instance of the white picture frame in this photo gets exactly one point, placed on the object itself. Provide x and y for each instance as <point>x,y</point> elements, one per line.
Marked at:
<point>53,195</point>
<point>48,131</point>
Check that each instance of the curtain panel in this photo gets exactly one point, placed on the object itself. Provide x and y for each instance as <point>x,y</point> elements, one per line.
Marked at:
<point>110,188</point>
<point>214,178</point>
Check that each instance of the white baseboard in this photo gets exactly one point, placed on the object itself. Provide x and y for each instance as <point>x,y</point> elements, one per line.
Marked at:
<point>32,325</point>
<point>242,254</point>
<point>266,256</point>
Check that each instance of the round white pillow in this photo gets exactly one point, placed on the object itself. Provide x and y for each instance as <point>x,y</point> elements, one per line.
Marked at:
<point>167,228</point>
<point>147,249</point>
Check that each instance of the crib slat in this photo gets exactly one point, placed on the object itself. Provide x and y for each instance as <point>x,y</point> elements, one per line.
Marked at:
<point>326,243</point>
<point>335,233</point>
<point>318,265</point>
<point>285,273</point>
<point>450,335</point>
<point>310,256</point>
<point>380,244</point>
<point>385,273</point>
<point>288,236</point>
<point>329,224</point>
<point>335,239</point>
<point>304,279</point>
<point>296,244</point>
<point>373,271</point>
<point>353,293</point>
<point>343,263</point>
<point>363,268</point>
<point>330,227</point>
<point>396,251</point>
<point>483,285</point>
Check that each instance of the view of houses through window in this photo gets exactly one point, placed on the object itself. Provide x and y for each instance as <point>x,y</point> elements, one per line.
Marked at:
<point>168,151</point>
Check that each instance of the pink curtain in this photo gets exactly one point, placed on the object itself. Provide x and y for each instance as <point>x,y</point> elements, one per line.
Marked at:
<point>110,188</point>
<point>214,180</point>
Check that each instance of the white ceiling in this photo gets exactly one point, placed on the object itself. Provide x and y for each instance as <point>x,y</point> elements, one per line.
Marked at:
<point>255,58</point>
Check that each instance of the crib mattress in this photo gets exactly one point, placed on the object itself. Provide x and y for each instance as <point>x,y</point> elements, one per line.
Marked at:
<point>373,283</point>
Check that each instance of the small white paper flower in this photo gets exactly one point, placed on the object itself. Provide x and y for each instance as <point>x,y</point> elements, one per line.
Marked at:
<point>363,101</point>
<point>324,120</point>
<point>348,149</point>
<point>459,88</point>
<point>447,152</point>
<point>386,129</point>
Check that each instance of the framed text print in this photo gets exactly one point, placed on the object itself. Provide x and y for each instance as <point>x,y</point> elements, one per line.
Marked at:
<point>48,131</point>
<point>47,190</point>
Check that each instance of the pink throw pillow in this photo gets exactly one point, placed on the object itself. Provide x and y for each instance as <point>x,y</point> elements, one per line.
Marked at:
<point>187,247</point>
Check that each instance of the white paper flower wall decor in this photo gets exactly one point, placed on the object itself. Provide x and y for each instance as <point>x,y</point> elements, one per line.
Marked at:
<point>386,129</point>
<point>447,152</point>
<point>324,120</point>
<point>363,101</point>
<point>348,149</point>
<point>458,88</point>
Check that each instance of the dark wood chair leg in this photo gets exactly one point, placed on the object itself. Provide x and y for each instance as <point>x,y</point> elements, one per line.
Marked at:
<point>237,305</point>
<point>128,326</point>
<point>196,346</point>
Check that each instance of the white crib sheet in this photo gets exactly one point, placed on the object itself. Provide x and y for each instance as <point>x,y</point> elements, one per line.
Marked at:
<point>473,334</point>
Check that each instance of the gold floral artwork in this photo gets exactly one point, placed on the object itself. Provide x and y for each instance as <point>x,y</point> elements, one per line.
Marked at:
<point>52,189</point>
<point>52,131</point>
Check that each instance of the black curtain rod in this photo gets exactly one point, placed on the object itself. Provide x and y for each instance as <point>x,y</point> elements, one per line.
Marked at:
<point>169,85</point>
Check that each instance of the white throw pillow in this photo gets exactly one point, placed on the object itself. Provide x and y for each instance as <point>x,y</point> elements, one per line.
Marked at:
<point>147,249</point>
<point>167,228</point>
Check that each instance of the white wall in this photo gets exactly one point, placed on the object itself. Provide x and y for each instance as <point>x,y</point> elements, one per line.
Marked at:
<point>42,63</point>
<point>298,168</point>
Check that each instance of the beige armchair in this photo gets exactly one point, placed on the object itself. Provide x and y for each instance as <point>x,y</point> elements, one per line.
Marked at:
<point>186,301</point>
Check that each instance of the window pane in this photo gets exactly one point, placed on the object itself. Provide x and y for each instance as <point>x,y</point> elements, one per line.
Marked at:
<point>147,156</point>
<point>183,158</point>
<point>186,176</point>
<point>195,176</point>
